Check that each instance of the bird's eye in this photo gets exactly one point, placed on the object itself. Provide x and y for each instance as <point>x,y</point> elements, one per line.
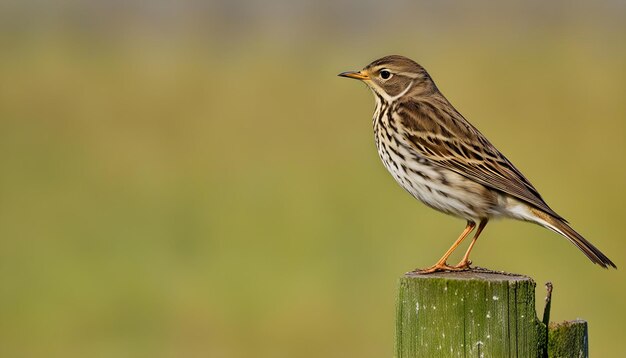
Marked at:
<point>385,74</point>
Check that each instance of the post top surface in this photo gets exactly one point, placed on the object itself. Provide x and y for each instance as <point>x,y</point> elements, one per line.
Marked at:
<point>476,273</point>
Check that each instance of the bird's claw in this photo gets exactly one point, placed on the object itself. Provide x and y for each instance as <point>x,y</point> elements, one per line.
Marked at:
<point>443,267</point>
<point>463,265</point>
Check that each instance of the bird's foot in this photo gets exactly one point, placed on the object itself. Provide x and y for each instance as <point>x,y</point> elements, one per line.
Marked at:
<point>441,267</point>
<point>463,265</point>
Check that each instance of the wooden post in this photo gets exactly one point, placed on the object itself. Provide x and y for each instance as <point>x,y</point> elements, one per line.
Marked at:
<point>568,339</point>
<point>476,313</point>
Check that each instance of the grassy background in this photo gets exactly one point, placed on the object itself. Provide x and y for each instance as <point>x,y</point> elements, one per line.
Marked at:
<point>215,190</point>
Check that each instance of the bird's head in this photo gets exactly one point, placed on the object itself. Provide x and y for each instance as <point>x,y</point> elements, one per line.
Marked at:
<point>392,76</point>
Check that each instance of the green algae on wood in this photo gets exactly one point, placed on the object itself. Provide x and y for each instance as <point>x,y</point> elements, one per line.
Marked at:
<point>468,314</point>
<point>568,339</point>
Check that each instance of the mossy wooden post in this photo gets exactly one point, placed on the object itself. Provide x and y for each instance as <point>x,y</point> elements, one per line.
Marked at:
<point>568,339</point>
<point>468,314</point>
<point>480,313</point>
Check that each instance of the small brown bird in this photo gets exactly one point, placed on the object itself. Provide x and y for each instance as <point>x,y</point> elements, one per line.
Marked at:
<point>436,155</point>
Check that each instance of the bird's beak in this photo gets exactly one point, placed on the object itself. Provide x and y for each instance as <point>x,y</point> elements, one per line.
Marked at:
<point>359,75</point>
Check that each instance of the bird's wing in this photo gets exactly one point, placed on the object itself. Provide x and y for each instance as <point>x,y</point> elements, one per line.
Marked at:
<point>448,140</point>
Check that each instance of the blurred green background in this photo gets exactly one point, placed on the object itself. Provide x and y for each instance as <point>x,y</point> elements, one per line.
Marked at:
<point>186,179</point>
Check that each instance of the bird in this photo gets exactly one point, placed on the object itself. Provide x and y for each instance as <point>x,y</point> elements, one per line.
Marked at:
<point>445,162</point>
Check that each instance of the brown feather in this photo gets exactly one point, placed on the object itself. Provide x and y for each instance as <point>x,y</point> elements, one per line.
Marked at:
<point>445,138</point>
<point>561,227</point>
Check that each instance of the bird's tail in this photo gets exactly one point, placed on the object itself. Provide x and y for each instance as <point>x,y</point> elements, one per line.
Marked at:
<point>561,227</point>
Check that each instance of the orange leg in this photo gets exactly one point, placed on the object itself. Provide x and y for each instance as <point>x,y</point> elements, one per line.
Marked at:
<point>441,265</point>
<point>465,262</point>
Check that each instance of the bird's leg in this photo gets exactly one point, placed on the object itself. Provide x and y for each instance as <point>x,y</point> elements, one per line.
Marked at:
<point>465,262</point>
<point>441,265</point>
